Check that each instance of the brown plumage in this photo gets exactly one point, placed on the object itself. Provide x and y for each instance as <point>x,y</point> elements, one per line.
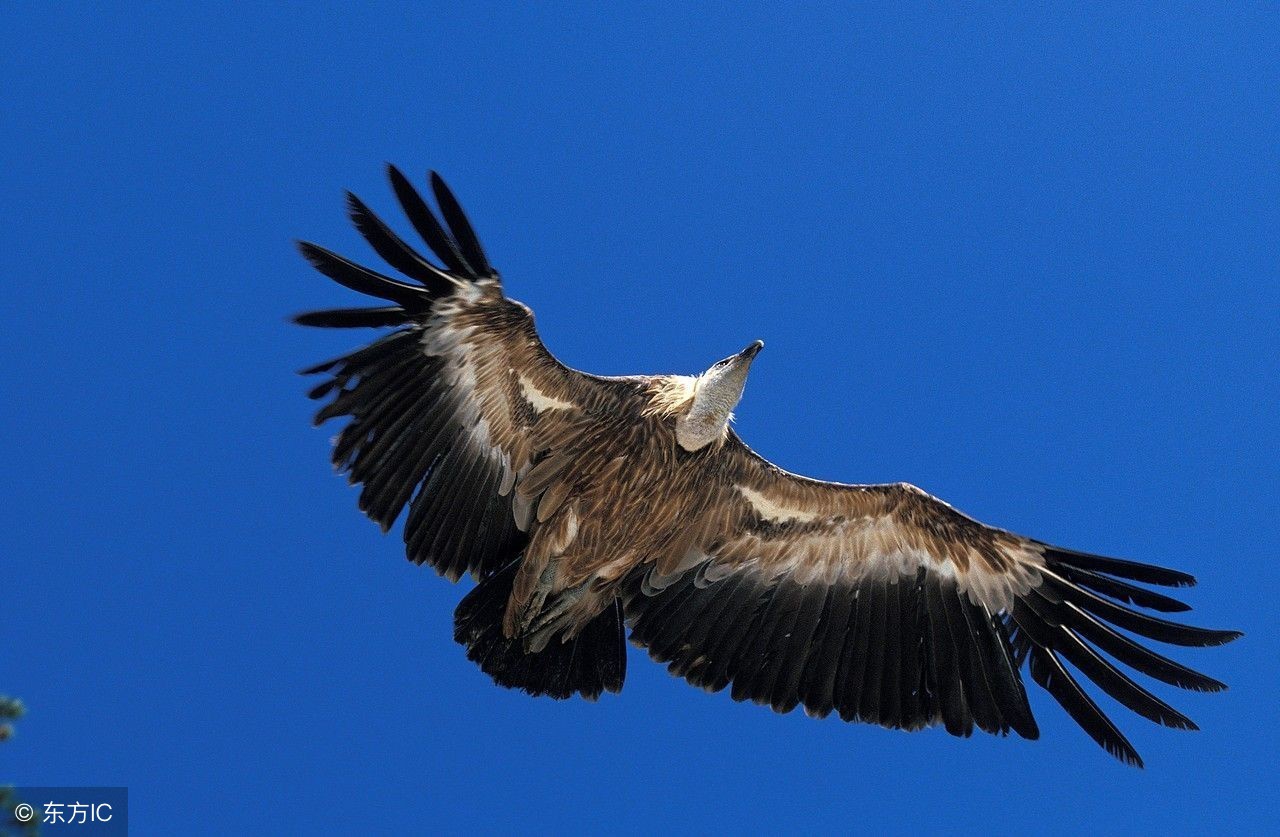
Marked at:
<point>580,501</point>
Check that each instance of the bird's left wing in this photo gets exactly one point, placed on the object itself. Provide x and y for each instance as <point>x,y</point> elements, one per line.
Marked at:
<point>450,413</point>
<point>889,606</point>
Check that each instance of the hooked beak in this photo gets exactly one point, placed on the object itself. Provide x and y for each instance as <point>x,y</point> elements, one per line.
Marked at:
<point>751,351</point>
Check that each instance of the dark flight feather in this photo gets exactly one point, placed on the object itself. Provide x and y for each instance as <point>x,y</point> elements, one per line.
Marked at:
<point>353,318</point>
<point>465,237</point>
<point>1121,590</point>
<point>1151,627</point>
<point>1132,570</point>
<point>1048,671</point>
<point>397,253</point>
<point>424,221</point>
<point>351,275</point>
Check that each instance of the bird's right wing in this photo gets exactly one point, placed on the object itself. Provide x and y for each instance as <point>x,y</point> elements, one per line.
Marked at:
<point>889,606</point>
<point>452,413</point>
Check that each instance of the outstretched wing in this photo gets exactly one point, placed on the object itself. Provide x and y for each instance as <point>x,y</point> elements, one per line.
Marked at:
<point>448,413</point>
<point>888,606</point>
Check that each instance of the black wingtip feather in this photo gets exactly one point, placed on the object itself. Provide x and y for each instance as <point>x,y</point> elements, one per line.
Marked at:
<point>1121,590</point>
<point>424,221</point>
<point>394,250</point>
<point>1144,659</point>
<point>352,318</point>
<point>1132,570</point>
<point>1013,694</point>
<point>1048,671</point>
<point>463,233</point>
<point>1163,630</point>
<point>1069,616</point>
<point>351,275</point>
<point>1098,669</point>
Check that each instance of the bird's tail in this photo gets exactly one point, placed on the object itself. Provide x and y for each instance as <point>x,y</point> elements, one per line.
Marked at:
<point>591,662</point>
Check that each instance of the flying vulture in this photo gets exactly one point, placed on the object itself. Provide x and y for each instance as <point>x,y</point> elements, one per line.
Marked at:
<point>585,504</point>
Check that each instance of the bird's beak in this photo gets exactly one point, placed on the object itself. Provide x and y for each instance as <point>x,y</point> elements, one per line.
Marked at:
<point>751,351</point>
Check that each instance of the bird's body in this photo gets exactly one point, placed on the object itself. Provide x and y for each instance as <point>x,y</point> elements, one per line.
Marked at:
<point>581,503</point>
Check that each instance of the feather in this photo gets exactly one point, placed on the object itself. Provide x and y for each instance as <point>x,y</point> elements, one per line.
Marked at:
<point>399,255</point>
<point>752,667</point>
<point>463,234</point>
<point>1006,683</point>
<point>918,704</point>
<point>1129,652</point>
<point>1148,626</point>
<point>672,615</point>
<point>703,634</point>
<point>890,702</point>
<point>1117,684</point>
<point>351,275</point>
<point>1047,670</point>
<point>1132,570</point>
<point>853,660</point>
<point>1120,590</point>
<point>420,215</point>
<point>817,686</point>
<point>383,345</point>
<point>793,656</point>
<point>739,617</point>
<point>945,665</point>
<point>967,633</point>
<point>877,616</point>
<point>353,318</point>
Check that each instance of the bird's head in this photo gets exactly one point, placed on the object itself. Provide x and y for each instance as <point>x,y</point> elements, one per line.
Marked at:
<point>715,393</point>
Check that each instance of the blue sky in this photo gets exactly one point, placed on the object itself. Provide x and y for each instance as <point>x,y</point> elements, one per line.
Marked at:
<point>1025,261</point>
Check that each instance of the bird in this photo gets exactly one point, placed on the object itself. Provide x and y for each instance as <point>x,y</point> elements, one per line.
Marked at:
<point>587,508</point>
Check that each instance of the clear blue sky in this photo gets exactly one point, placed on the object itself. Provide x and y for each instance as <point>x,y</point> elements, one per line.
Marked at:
<point>1027,262</point>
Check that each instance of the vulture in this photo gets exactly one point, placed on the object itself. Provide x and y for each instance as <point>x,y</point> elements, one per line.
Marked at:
<point>586,506</point>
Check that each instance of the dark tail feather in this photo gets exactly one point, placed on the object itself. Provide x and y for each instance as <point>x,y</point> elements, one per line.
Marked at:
<point>592,662</point>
